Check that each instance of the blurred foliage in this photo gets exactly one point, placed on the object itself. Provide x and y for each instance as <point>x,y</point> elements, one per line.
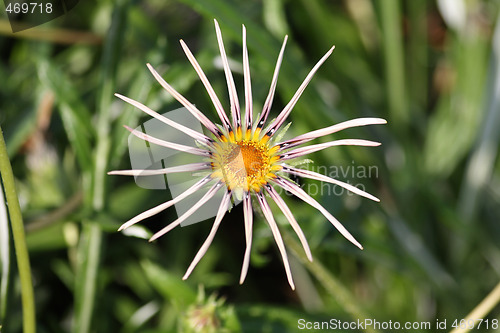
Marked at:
<point>431,68</point>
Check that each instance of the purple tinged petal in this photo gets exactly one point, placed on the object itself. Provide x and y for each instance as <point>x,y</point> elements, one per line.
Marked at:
<point>213,96</point>
<point>171,145</point>
<point>195,135</point>
<point>300,193</point>
<point>323,178</point>
<point>210,193</point>
<point>248,83</point>
<point>288,108</point>
<point>176,169</point>
<point>330,130</point>
<point>218,219</point>
<point>272,89</point>
<point>187,104</point>
<point>291,219</point>
<point>233,95</point>
<point>314,148</point>
<point>165,205</point>
<point>277,236</point>
<point>248,217</point>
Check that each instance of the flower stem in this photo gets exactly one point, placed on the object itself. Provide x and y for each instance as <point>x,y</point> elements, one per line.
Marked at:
<point>333,286</point>
<point>23,261</point>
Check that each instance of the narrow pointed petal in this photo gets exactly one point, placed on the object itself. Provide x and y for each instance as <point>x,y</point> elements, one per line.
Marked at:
<point>233,96</point>
<point>248,217</point>
<point>298,192</point>
<point>323,178</point>
<point>210,193</point>
<point>248,83</point>
<point>167,144</point>
<point>213,96</point>
<point>277,236</point>
<point>288,108</point>
<point>192,133</point>
<point>314,148</point>
<point>218,219</point>
<point>181,168</point>
<point>269,100</point>
<point>187,104</point>
<point>291,219</point>
<point>165,205</point>
<point>330,130</point>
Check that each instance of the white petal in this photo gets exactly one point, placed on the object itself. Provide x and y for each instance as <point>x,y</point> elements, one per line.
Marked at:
<point>272,89</point>
<point>233,96</point>
<point>288,108</point>
<point>180,168</point>
<point>218,219</point>
<point>171,145</point>
<point>248,84</point>
<point>248,217</point>
<point>187,104</point>
<point>323,178</point>
<point>291,219</point>
<point>277,236</point>
<point>298,192</point>
<point>189,212</point>
<point>195,135</point>
<point>213,96</point>
<point>330,130</point>
<point>165,205</point>
<point>314,148</point>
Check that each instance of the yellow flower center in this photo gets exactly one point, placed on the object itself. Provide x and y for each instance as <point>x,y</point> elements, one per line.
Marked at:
<point>244,163</point>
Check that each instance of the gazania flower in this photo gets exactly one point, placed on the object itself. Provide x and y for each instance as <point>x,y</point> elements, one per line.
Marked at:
<point>243,157</point>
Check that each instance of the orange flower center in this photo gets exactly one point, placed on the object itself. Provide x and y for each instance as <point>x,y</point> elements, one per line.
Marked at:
<point>245,164</point>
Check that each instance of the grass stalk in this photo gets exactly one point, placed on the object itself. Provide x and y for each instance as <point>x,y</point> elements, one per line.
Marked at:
<point>22,256</point>
<point>390,12</point>
<point>92,235</point>
<point>481,310</point>
<point>90,251</point>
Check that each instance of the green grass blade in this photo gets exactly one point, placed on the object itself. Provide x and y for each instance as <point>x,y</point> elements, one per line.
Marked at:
<point>481,165</point>
<point>129,116</point>
<point>74,113</point>
<point>171,287</point>
<point>92,235</point>
<point>23,261</point>
<point>418,56</point>
<point>393,59</point>
<point>19,130</point>
<point>112,51</point>
<point>89,253</point>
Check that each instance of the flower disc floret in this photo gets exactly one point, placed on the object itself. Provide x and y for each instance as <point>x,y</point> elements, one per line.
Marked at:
<point>245,164</point>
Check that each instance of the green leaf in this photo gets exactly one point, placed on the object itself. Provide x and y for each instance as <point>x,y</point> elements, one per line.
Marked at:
<point>74,113</point>
<point>170,286</point>
<point>89,252</point>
